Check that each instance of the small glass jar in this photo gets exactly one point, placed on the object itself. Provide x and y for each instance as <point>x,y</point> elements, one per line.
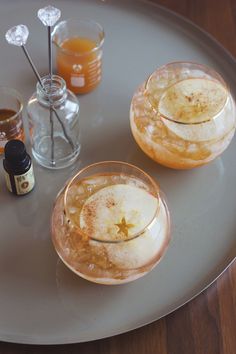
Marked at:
<point>110,223</point>
<point>53,113</point>
<point>183,116</point>
<point>11,122</point>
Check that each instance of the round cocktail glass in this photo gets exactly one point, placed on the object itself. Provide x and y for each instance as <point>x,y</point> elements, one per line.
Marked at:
<point>183,116</point>
<point>110,223</point>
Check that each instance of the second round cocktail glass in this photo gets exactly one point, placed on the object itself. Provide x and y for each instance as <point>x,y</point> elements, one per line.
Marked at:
<point>183,116</point>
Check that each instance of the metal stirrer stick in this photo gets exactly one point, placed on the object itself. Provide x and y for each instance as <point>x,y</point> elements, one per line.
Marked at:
<point>32,65</point>
<point>49,15</point>
<point>18,36</point>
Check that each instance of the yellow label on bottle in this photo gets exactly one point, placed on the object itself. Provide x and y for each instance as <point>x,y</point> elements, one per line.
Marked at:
<point>8,182</point>
<point>25,183</point>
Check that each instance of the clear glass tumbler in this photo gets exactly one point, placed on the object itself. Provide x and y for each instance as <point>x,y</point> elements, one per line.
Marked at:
<point>79,53</point>
<point>11,123</point>
<point>183,116</point>
<point>54,135</point>
<point>110,223</point>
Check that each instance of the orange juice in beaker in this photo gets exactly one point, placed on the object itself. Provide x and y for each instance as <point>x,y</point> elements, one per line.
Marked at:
<point>79,54</point>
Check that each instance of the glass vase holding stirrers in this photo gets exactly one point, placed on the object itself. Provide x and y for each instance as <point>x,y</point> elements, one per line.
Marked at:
<point>55,142</point>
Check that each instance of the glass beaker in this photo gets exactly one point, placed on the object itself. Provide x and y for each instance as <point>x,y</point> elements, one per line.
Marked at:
<point>79,53</point>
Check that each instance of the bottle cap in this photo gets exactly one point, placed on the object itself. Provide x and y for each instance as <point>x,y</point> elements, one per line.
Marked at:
<point>15,151</point>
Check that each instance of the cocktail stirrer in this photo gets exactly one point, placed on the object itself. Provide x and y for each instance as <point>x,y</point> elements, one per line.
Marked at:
<point>49,15</point>
<point>18,36</point>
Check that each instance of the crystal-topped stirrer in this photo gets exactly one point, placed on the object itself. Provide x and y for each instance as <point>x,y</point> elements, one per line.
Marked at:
<point>49,15</point>
<point>18,36</point>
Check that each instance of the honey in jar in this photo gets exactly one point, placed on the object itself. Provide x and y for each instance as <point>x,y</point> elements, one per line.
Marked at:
<point>11,123</point>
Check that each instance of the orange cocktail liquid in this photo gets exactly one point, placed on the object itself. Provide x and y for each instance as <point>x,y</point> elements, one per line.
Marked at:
<point>79,63</point>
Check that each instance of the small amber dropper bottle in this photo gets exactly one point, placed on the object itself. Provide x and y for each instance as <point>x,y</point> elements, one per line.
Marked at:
<point>18,168</point>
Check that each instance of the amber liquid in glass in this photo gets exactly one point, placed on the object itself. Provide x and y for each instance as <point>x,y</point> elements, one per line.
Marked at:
<point>182,145</point>
<point>81,66</point>
<point>10,128</point>
<point>102,206</point>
